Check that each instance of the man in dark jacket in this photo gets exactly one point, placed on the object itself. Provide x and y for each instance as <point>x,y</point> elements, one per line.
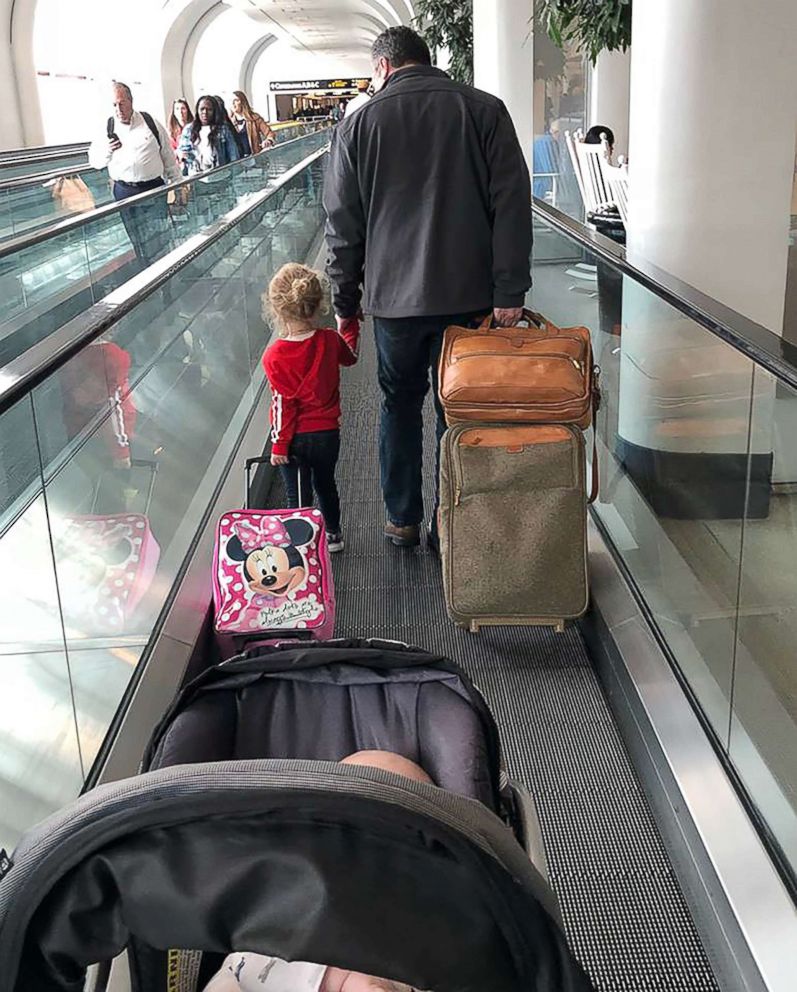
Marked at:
<point>428,203</point>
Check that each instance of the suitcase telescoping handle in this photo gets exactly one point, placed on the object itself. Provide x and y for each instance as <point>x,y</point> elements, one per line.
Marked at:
<point>134,463</point>
<point>263,460</point>
<point>530,316</point>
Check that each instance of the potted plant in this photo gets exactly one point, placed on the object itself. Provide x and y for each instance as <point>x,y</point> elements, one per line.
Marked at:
<point>592,25</point>
<point>449,24</point>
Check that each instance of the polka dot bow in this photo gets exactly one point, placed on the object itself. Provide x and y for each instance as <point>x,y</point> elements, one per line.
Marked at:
<point>266,531</point>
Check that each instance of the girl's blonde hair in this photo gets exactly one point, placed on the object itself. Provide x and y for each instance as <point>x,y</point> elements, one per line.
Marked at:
<point>295,293</point>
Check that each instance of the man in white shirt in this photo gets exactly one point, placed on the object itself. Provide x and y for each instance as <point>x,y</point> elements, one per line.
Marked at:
<point>363,96</point>
<point>139,157</point>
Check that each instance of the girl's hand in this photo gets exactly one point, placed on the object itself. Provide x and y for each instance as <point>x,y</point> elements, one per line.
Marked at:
<point>279,459</point>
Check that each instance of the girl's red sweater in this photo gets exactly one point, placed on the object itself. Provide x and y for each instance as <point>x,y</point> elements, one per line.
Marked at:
<point>305,382</point>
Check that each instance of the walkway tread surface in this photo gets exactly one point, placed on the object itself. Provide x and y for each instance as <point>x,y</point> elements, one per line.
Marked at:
<point>624,913</point>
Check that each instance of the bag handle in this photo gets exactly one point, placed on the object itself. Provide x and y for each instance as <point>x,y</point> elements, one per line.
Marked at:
<point>596,404</point>
<point>266,460</point>
<point>534,320</point>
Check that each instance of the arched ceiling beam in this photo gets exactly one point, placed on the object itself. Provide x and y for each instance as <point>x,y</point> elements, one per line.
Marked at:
<point>180,23</point>
<point>250,60</point>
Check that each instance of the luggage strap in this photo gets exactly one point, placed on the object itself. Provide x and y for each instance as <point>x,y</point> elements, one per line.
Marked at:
<point>596,404</point>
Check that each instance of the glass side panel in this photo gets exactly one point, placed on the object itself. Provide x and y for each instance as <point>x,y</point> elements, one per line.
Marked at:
<point>763,740</point>
<point>135,433</point>
<point>698,463</point>
<point>672,444</point>
<point>36,205</point>
<point>40,761</point>
<point>30,207</point>
<point>43,286</point>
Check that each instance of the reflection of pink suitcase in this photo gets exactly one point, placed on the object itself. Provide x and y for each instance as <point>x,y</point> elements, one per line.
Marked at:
<point>106,564</point>
<point>272,579</point>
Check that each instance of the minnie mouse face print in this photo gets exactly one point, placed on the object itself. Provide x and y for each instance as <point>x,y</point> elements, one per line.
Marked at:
<point>274,563</point>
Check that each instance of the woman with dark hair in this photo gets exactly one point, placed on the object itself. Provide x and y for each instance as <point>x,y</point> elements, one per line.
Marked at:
<point>181,115</point>
<point>207,142</point>
<point>241,140</point>
<point>597,133</point>
<point>246,121</point>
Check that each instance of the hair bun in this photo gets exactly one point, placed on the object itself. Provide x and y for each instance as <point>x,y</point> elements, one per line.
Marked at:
<point>295,293</point>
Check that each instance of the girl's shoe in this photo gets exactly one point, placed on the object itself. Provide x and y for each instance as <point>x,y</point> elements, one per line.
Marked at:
<point>335,542</point>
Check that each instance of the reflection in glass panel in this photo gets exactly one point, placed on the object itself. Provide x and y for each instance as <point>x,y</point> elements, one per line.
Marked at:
<point>763,739</point>
<point>136,431</point>
<point>40,761</point>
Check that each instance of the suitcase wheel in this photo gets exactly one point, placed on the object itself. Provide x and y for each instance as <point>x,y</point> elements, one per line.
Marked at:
<point>473,627</point>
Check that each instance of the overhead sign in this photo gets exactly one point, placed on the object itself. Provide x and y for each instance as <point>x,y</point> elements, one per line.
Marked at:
<point>306,85</point>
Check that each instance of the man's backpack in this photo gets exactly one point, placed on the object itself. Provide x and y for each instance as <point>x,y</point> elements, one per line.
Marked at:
<point>147,120</point>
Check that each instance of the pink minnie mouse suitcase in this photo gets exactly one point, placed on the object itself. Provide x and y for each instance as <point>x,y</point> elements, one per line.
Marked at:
<point>272,579</point>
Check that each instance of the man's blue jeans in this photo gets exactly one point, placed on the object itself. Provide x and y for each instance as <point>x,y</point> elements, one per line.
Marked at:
<point>408,348</point>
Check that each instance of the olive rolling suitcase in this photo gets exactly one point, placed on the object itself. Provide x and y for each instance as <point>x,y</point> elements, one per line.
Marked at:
<point>513,517</point>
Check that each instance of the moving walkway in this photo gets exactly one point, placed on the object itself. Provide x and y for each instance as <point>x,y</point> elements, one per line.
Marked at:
<point>653,840</point>
<point>48,277</point>
<point>53,188</point>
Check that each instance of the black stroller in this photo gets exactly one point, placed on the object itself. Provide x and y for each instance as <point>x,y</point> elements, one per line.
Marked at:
<point>214,849</point>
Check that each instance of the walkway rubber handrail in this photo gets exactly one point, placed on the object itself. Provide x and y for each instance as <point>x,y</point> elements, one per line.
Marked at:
<point>40,178</point>
<point>25,373</point>
<point>762,346</point>
<point>25,241</point>
<point>45,153</point>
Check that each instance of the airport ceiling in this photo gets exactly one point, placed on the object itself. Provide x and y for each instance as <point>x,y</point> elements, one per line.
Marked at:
<point>331,27</point>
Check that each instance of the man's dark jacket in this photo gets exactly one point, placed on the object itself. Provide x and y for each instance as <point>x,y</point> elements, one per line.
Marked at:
<point>428,202</point>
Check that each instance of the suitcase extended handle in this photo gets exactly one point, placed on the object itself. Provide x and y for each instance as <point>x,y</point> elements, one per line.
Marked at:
<point>534,320</point>
<point>262,460</point>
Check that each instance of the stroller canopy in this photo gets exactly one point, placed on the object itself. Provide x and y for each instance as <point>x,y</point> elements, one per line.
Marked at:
<point>309,861</point>
<point>326,700</point>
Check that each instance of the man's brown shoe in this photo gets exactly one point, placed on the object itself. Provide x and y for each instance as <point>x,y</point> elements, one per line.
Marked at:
<point>403,537</point>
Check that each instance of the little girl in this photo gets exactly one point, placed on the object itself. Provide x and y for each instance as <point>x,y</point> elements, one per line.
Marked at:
<point>303,370</point>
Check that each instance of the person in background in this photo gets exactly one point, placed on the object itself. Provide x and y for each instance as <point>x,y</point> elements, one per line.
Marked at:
<point>245,119</point>
<point>303,370</point>
<point>208,141</point>
<point>241,137</point>
<point>363,96</point>
<point>205,145</point>
<point>137,153</point>
<point>597,133</point>
<point>180,116</point>
<point>427,201</point>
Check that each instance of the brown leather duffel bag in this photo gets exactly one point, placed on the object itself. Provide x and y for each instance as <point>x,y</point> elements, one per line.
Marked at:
<point>531,375</point>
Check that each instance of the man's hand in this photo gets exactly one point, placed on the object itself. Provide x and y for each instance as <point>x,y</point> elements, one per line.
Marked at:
<point>342,320</point>
<point>508,317</point>
<point>279,459</point>
<point>346,322</point>
<point>114,145</point>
